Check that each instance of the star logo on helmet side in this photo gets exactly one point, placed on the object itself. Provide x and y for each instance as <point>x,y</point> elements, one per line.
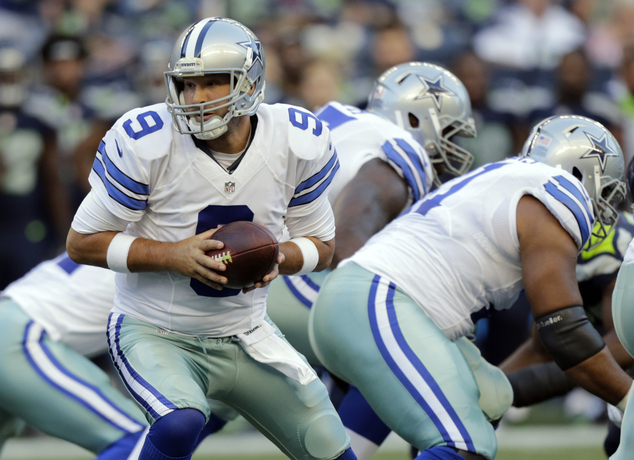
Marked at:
<point>599,149</point>
<point>434,89</point>
<point>256,46</point>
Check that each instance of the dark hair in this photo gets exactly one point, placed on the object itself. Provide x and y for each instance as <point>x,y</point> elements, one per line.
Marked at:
<point>61,47</point>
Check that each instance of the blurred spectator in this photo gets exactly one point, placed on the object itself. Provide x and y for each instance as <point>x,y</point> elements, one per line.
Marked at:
<point>496,137</point>
<point>320,83</point>
<point>34,209</point>
<point>623,91</point>
<point>573,95</point>
<point>58,101</point>
<point>530,34</point>
<point>608,37</point>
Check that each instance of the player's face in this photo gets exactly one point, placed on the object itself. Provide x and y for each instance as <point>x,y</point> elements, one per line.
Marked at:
<point>198,90</point>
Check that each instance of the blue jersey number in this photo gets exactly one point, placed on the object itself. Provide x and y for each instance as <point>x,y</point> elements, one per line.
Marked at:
<point>211,217</point>
<point>436,198</point>
<point>299,119</point>
<point>333,117</point>
<point>146,129</point>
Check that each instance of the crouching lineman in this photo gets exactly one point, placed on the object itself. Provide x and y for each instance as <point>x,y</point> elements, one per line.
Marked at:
<point>386,320</point>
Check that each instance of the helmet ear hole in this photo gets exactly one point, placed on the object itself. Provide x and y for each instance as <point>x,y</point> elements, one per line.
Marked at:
<point>577,173</point>
<point>413,120</point>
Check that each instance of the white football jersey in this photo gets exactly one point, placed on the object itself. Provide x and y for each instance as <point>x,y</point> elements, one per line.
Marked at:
<point>149,175</point>
<point>456,252</point>
<point>70,301</point>
<point>361,136</point>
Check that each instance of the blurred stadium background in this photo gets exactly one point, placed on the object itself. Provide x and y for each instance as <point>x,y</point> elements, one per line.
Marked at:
<point>77,65</point>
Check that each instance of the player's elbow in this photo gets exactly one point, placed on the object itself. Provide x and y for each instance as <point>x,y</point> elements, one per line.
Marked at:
<point>326,253</point>
<point>73,247</point>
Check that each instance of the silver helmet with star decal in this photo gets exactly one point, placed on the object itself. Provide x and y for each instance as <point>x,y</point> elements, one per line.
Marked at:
<point>431,103</point>
<point>211,46</point>
<point>587,150</point>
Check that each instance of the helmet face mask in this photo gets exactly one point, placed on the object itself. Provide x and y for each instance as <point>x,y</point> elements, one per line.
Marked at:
<point>13,77</point>
<point>433,105</point>
<point>589,152</point>
<point>215,46</point>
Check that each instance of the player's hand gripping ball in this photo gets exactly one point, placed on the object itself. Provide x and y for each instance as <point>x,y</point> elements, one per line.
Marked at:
<point>250,252</point>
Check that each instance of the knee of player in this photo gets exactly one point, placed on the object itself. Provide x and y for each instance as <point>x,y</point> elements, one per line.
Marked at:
<point>323,436</point>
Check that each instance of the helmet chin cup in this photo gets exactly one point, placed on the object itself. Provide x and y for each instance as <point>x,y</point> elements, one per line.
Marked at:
<point>210,129</point>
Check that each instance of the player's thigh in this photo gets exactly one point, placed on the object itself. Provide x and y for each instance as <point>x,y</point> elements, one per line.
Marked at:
<point>289,301</point>
<point>56,390</point>
<point>162,371</point>
<point>415,379</point>
<point>10,426</point>
<point>299,419</point>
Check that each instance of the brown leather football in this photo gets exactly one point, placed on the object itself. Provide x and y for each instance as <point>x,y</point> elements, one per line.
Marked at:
<point>250,252</point>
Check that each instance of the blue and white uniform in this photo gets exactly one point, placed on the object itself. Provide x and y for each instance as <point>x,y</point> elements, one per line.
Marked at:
<point>177,342</point>
<point>386,319</point>
<point>51,320</point>
<point>358,137</point>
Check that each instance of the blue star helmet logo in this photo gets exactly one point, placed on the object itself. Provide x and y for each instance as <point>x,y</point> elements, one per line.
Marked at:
<point>599,149</point>
<point>433,89</point>
<point>256,46</point>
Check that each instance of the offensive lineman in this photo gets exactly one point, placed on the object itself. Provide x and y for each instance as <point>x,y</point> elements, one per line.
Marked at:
<point>384,169</point>
<point>164,178</point>
<point>386,319</point>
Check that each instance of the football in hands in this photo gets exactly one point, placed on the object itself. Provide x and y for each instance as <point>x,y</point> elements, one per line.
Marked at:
<point>250,252</point>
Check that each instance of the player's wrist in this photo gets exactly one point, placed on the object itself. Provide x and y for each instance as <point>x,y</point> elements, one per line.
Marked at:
<point>118,251</point>
<point>310,254</point>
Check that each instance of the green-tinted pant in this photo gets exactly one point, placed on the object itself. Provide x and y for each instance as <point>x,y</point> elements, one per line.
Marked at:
<point>55,389</point>
<point>166,371</point>
<point>370,333</point>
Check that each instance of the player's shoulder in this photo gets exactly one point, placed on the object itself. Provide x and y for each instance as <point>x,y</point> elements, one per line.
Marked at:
<point>294,130</point>
<point>145,132</point>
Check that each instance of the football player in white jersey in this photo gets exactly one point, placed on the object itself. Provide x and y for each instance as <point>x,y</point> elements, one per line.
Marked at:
<point>52,323</point>
<point>164,178</point>
<point>384,169</point>
<point>623,317</point>
<point>387,318</point>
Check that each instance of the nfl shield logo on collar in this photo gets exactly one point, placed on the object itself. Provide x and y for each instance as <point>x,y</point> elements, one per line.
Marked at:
<point>230,187</point>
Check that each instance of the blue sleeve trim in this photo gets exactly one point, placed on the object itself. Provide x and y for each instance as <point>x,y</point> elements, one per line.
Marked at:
<point>118,175</point>
<point>114,192</point>
<point>317,192</point>
<point>417,160</point>
<point>408,174</point>
<point>572,205</point>
<point>576,192</point>
<point>319,176</point>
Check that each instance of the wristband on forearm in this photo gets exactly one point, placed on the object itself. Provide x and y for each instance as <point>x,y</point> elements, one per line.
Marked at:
<point>310,253</point>
<point>538,383</point>
<point>118,250</point>
<point>568,336</point>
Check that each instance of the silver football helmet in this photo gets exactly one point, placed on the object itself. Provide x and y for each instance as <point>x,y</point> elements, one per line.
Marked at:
<point>215,45</point>
<point>431,103</point>
<point>588,151</point>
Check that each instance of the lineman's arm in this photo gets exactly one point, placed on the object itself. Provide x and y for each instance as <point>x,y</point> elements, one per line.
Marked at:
<point>549,257</point>
<point>373,198</point>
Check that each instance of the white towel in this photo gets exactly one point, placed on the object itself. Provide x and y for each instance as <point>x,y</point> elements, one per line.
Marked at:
<point>265,346</point>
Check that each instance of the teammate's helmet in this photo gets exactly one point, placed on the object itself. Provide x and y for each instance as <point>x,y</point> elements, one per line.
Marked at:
<point>589,152</point>
<point>13,83</point>
<point>215,45</point>
<point>431,103</point>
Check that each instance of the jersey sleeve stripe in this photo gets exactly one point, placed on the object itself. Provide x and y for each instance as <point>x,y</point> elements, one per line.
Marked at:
<point>416,159</point>
<point>311,196</point>
<point>318,176</point>
<point>574,207</point>
<point>118,175</point>
<point>405,168</point>
<point>114,192</point>
<point>577,192</point>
